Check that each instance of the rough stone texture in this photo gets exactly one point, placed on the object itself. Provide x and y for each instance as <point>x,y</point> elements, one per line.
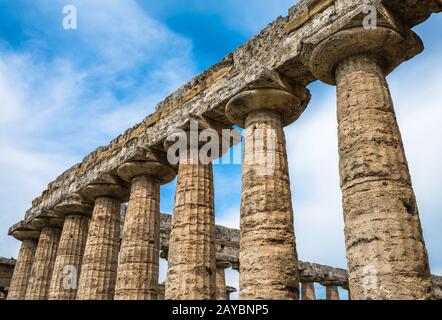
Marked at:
<point>22,271</point>
<point>269,264</point>
<point>279,47</point>
<point>137,276</point>
<point>6,272</point>
<point>43,266</point>
<point>220,284</point>
<point>191,268</point>
<point>331,292</point>
<point>161,291</point>
<point>437,287</point>
<point>69,255</point>
<point>382,225</point>
<point>99,269</point>
<point>308,291</point>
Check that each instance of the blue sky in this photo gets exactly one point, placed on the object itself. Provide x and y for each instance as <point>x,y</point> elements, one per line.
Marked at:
<point>64,93</point>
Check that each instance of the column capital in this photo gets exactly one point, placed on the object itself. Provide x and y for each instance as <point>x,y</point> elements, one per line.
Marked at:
<point>155,165</point>
<point>270,91</point>
<point>107,185</point>
<point>46,219</point>
<point>387,45</point>
<point>23,231</point>
<point>74,204</point>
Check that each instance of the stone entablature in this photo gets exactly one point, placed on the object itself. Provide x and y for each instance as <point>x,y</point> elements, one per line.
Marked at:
<point>280,48</point>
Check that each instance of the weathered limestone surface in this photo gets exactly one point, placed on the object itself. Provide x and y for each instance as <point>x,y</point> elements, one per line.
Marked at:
<point>331,292</point>
<point>67,266</point>
<point>269,263</point>
<point>99,268</point>
<point>308,291</point>
<point>192,260</point>
<point>22,271</point>
<point>138,270</point>
<point>43,266</point>
<point>6,272</point>
<point>279,47</point>
<point>220,285</point>
<point>383,233</point>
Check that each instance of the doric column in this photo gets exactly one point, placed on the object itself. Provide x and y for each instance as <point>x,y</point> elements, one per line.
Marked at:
<point>220,287</point>
<point>73,238</point>
<point>308,290</point>
<point>161,291</point>
<point>268,258</point>
<point>331,292</point>
<point>386,252</point>
<point>191,257</point>
<point>138,270</point>
<point>23,266</point>
<point>44,260</point>
<point>100,260</point>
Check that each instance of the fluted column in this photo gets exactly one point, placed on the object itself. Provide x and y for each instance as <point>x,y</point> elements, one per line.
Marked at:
<point>43,266</point>
<point>100,260</point>
<point>220,287</point>
<point>331,292</point>
<point>161,291</point>
<point>268,257</point>
<point>67,267</point>
<point>386,252</point>
<point>138,270</point>
<point>191,268</point>
<point>22,270</point>
<point>308,290</point>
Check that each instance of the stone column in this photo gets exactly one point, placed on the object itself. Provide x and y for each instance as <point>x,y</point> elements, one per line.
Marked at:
<point>268,257</point>
<point>229,291</point>
<point>161,291</point>
<point>138,270</point>
<point>44,260</point>
<point>386,252</point>
<point>308,290</point>
<point>100,260</point>
<point>191,257</point>
<point>220,287</point>
<point>67,267</point>
<point>331,292</point>
<point>22,270</point>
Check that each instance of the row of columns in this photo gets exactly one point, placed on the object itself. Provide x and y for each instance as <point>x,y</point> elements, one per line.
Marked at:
<point>382,225</point>
<point>308,291</point>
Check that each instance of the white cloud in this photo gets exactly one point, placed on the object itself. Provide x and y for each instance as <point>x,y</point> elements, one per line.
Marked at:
<point>56,109</point>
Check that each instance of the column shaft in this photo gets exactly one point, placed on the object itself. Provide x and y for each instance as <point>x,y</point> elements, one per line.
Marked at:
<point>332,293</point>
<point>137,276</point>
<point>308,291</point>
<point>386,252</point>
<point>221,292</point>
<point>43,266</point>
<point>191,271</point>
<point>22,270</point>
<point>100,260</point>
<point>269,264</point>
<point>67,267</point>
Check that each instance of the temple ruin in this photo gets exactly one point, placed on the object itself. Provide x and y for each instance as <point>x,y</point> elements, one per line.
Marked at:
<point>75,245</point>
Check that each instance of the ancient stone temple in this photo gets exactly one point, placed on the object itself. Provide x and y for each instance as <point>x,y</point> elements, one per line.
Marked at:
<point>76,243</point>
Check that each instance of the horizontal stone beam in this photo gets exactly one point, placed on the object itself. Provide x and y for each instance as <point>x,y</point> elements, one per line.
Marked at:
<point>278,49</point>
